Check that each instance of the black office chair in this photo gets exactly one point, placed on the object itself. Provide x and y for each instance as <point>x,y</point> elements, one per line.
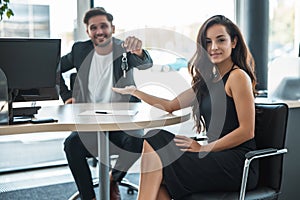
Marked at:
<point>270,134</point>
<point>131,187</point>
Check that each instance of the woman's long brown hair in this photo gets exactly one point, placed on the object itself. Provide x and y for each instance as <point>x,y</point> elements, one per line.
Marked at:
<point>200,66</point>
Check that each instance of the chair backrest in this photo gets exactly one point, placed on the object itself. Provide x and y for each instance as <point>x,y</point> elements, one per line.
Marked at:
<point>72,80</point>
<point>270,132</point>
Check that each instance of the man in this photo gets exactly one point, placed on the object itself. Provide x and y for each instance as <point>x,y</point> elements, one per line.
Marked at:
<point>102,62</point>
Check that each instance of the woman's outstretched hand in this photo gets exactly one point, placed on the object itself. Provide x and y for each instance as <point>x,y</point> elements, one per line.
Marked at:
<point>126,90</point>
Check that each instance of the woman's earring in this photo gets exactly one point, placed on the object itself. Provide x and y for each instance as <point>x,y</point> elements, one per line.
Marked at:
<point>214,72</point>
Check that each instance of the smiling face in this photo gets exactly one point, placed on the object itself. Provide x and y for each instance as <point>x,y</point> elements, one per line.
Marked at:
<point>219,44</point>
<point>100,30</point>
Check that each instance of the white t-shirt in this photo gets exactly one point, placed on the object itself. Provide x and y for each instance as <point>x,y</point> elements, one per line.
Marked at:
<point>101,78</point>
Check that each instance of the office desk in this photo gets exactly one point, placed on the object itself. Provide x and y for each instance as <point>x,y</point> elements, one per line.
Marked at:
<point>71,118</point>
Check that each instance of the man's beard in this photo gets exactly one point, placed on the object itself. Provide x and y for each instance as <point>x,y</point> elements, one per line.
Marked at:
<point>106,43</point>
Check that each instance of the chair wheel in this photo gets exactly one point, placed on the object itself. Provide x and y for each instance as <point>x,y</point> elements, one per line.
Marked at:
<point>130,191</point>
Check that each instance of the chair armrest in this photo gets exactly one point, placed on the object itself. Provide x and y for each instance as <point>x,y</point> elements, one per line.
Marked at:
<point>264,152</point>
<point>250,154</point>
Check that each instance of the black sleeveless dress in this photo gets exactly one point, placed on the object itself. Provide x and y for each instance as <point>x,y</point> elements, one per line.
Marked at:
<point>189,172</point>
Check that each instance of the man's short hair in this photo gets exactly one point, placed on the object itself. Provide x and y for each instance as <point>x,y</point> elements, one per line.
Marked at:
<point>97,11</point>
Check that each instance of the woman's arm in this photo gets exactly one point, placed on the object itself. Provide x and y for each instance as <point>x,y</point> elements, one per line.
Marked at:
<point>245,106</point>
<point>183,100</point>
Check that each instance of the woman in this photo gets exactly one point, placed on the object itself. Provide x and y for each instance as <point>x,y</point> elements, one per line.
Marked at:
<point>222,98</point>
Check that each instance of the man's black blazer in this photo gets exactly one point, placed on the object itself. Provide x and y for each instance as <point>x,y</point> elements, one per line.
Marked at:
<point>80,58</point>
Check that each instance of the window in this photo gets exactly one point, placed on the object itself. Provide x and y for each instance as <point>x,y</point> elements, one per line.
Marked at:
<point>284,64</point>
<point>182,17</point>
<point>41,19</point>
<point>284,28</point>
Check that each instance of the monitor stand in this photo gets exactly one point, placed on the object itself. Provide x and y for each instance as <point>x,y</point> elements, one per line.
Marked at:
<point>25,111</point>
<point>22,115</point>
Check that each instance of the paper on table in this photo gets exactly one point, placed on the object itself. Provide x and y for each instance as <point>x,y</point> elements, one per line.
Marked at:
<point>109,112</point>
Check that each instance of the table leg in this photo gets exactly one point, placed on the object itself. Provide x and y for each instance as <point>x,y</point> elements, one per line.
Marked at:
<point>103,150</point>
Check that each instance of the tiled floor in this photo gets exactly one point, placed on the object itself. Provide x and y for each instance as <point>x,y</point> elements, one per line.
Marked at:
<point>34,178</point>
<point>43,177</point>
<point>55,184</point>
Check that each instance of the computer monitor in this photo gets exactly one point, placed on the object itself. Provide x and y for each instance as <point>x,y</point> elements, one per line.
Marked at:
<point>31,67</point>
<point>288,89</point>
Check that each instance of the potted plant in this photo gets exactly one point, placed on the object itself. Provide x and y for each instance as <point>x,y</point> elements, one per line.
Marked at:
<point>5,10</point>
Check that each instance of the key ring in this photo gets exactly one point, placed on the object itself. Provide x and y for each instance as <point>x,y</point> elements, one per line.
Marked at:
<point>124,58</point>
<point>124,65</point>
